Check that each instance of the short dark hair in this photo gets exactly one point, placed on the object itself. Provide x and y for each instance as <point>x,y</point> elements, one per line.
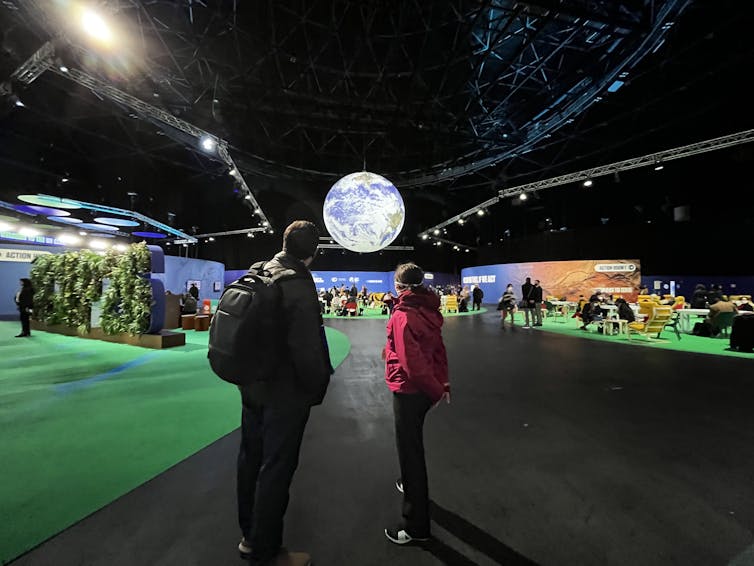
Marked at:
<point>301,239</point>
<point>409,275</point>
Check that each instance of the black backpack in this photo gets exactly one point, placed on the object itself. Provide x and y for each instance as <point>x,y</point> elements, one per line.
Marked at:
<point>246,336</point>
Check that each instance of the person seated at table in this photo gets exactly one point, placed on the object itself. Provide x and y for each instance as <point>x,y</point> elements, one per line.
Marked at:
<point>699,298</point>
<point>715,309</point>
<point>745,305</point>
<point>592,311</point>
<point>715,294</point>
<point>188,304</point>
<point>625,311</point>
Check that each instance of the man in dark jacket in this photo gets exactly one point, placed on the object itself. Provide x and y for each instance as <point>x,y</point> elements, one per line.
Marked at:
<point>527,300</point>
<point>25,302</point>
<point>536,306</point>
<point>275,412</point>
<point>477,295</point>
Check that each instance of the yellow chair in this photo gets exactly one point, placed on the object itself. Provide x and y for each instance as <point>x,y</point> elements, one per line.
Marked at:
<point>657,320</point>
<point>451,303</point>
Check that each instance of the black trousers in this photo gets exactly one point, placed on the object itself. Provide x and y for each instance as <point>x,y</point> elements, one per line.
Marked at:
<point>476,306</point>
<point>270,443</point>
<point>410,410</point>
<point>25,329</point>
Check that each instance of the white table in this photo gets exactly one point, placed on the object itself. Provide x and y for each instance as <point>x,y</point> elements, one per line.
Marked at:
<point>684,318</point>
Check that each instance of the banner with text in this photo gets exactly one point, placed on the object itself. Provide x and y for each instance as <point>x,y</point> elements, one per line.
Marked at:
<point>560,279</point>
<point>26,256</point>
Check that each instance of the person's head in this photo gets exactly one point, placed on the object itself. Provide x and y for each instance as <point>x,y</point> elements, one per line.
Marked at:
<point>509,287</point>
<point>25,282</point>
<point>193,284</point>
<point>528,279</point>
<point>408,276</point>
<point>300,240</point>
<point>536,282</point>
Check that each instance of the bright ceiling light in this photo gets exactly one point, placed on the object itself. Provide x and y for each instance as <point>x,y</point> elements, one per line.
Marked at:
<point>120,247</point>
<point>83,233</point>
<point>96,27</point>
<point>588,183</point>
<point>211,239</point>
<point>480,212</point>
<point>63,69</point>
<point>659,166</point>
<point>247,197</point>
<point>208,144</point>
<point>20,104</point>
<point>436,232</point>
<point>249,234</point>
<point>523,196</point>
<point>4,227</point>
<point>29,232</point>
<point>461,221</point>
<point>265,223</point>
<point>424,236</point>
<point>98,244</point>
<point>69,239</point>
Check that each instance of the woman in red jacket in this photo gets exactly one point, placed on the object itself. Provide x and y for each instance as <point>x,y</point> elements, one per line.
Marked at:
<point>416,371</point>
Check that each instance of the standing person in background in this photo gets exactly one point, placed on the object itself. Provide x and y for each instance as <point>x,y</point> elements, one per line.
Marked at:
<point>25,302</point>
<point>194,291</point>
<point>507,304</point>
<point>477,295</point>
<point>526,300</point>
<point>416,371</point>
<point>275,412</point>
<point>536,296</point>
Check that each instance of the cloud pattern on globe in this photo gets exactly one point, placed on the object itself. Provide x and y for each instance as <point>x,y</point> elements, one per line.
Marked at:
<point>364,212</point>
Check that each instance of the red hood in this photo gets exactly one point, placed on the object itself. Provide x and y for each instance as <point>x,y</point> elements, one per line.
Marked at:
<point>423,303</point>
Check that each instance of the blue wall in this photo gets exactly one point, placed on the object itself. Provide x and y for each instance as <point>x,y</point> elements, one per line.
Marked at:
<point>179,270</point>
<point>738,285</point>
<point>376,281</point>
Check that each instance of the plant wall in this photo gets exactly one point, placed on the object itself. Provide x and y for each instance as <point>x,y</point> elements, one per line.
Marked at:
<point>67,284</point>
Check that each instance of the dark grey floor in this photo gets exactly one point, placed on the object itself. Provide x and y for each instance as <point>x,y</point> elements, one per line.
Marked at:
<point>555,451</point>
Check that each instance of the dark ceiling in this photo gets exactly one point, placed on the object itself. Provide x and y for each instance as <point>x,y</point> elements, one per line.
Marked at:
<point>450,100</point>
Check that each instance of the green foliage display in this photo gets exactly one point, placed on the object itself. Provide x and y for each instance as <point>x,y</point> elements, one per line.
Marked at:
<point>67,284</point>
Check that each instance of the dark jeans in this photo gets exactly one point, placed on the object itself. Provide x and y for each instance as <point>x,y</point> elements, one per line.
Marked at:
<point>410,410</point>
<point>476,306</point>
<point>25,321</point>
<point>270,443</point>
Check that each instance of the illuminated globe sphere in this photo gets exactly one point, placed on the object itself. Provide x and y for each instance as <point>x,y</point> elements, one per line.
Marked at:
<point>364,212</point>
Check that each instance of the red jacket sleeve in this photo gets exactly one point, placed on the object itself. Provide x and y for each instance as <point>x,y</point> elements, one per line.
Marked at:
<point>419,368</point>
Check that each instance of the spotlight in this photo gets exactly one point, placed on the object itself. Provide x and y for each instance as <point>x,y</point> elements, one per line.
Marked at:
<point>98,244</point>
<point>466,250</point>
<point>18,103</point>
<point>436,232</point>
<point>659,166</point>
<point>82,233</point>
<point>211,239</point>
<point>247,197</point>
<point>523,196</point>
<point>208,144</point>
<point>96,27</point>
<point>265,223</point>
<point>29,232</point>
<point>424,236</point>
<point>69,239</point>
<point>588,183</point>
<point>64,180</point>
<point>249,234</point>
<point>272,231</point>
<point>461,221</point>
<point>233,172</point>
<point>63,69</point>
<point>480,212</point>
<point>120,247</point>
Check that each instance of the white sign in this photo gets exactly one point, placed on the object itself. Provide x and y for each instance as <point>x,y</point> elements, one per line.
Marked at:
<point>26,256</point>
<point>318,279</point>
<point>614,267</point>
<point>475,279</point>
<point>429,276</point>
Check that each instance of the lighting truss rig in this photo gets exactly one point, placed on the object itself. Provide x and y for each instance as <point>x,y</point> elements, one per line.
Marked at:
<point>43,60</point>
<point>651,159</point>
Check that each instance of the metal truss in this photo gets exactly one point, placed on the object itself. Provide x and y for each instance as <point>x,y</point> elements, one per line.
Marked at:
<point>652,159</point>
<point>43,60</point>
<point>385,249</point>
<point>635,163</point>
<point>422,92</point>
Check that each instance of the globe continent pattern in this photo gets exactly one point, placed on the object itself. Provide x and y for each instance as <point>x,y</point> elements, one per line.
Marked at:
<point>364,212</point>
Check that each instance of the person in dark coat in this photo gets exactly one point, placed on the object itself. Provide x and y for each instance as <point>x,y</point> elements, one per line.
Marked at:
<point>194,291</point>
<point>275,412</point>
<point>477,295</point>
<point>536,306</point>
<point>25,302</point>
<point>527,300</point>
<point>624,310</point>
<point>416,371</point>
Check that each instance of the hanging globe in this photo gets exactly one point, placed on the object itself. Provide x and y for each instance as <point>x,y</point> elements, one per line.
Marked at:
<point>364,212</point>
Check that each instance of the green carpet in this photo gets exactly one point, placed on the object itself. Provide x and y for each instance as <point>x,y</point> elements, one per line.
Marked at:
<point>375,313</point>
<point>84,422</point>
<point>668,340</point>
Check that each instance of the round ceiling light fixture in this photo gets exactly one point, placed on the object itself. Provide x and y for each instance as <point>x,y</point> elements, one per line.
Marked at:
<point>112,221</point>
<point>46,200</point>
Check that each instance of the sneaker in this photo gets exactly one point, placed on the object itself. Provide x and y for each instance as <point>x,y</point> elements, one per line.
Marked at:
<point>400,536</point>
<point>399,485</point>
<point>244,547</point>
